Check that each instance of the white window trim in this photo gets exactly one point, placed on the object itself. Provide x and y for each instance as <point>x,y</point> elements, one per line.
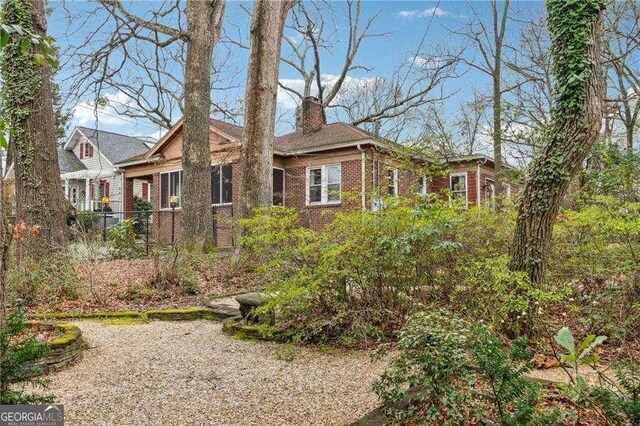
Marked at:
<point>466,185</point>
<point>284,185</point>
<point>160,190</point>
<point>323,186</point>
<point>395,180</point>
<point>222,204</point>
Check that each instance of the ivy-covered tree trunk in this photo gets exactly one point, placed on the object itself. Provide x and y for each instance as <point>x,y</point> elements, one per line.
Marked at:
<point>256,152</point>
<point>576,32</point>
<point>204,20</point>
<point>40,200</point>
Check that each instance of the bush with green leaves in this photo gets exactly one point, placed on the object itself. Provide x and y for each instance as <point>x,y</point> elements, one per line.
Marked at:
<point>505,298</point>
<point>447,371</point>
<point>47,280</point>
<point>123,240</point>
<point>18,352</point>
<point>621,403</point>
<point>361,276</point>
<point>142,214</point>
<point>596,250</point>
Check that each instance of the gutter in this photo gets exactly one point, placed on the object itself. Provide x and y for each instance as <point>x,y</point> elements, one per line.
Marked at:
<point>362,172</point>
<point>153,159</point>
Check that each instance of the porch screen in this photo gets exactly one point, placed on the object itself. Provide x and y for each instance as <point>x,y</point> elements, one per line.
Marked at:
<point>221,184</point>
<point>278,187</point>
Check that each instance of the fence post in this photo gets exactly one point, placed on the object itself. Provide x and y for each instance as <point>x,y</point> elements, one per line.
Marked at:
<point>173,224</point>
<point>104,226</point>
<point>147,233</point>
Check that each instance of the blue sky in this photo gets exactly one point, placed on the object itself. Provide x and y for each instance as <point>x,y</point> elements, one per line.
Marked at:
<point>404,21</point>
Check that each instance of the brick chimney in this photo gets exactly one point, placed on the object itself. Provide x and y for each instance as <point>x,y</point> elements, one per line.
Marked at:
<point>312,115</point>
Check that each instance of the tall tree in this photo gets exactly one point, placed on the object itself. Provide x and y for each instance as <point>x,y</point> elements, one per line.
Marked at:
<point>576,32</point>
<point>28,107</point>
<point>489,40</point>
<point>256,151</point>
<point>621,53</point>
<point>204,20</point>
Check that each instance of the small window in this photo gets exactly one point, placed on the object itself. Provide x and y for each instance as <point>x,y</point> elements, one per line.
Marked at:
<point>88,152</point>
<point>422,185</point>
<point>506,189</point>
<point>170,185</point>
<point>221,184</point>
<point>392,181</point>
<point>458,185</point>
<point>278,187</point>
<point>324,184</point>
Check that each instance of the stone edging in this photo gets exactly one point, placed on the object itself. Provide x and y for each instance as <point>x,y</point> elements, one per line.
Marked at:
<point>186,314</point>
<point>234,327</point>
<point>64,350</point>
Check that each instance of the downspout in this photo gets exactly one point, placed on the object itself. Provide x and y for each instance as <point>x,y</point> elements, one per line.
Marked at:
<point>478,198</point>
<point>362,176</point>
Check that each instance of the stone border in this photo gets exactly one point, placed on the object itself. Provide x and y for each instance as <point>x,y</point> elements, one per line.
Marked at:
<point>185,314</point>
<point>64,350</point>
<point>236,328</point>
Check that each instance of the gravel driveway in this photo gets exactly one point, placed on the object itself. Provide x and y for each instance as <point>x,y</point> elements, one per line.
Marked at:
<point>190,373</point>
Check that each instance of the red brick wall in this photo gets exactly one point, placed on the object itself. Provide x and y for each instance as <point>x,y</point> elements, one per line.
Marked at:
<point>317,216</point>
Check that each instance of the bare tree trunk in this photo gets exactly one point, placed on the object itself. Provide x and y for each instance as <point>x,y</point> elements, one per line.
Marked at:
<point>575,127</point>
<point>28,104</point>
<point>204,20</point>
<point>256,152</point>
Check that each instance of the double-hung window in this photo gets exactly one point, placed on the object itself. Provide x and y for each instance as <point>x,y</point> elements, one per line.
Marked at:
<point>392,181</point>
<point>422,185</point>
<point>458,186</point>
<point>170,185</point>
<point>221,184</point>
<point>324,184</point>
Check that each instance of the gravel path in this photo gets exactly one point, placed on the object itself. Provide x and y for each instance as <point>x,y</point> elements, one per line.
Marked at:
<point>190,373</point>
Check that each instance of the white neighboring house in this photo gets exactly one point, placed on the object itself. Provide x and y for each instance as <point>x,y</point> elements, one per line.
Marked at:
<point>87,168</point>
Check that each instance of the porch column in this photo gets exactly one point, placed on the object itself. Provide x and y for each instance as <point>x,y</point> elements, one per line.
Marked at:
<point>87,194</point>
<point>66,188</point>
<point>127,193</point>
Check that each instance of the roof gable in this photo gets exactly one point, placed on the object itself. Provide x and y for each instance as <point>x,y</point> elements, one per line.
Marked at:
<point>114,147</point>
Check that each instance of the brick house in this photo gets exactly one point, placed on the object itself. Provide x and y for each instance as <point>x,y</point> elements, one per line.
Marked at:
<point>319,169</point>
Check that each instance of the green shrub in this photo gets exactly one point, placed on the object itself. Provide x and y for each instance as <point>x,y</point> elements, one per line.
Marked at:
<point>44,281</point>
<point>621,405</point>
<point>447,371</point>
<point>17,355</point>
<point>361,276</point>
<point>504,298</point>
<point>123,240</point>
<point>142,209</point>
<point>430,378</point>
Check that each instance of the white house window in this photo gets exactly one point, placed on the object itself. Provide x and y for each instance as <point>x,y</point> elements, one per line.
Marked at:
<point>324,184</point>
<point>458,186</point>
<point>506,189</point>
<point>221,184</point>
<point>278,187</point>
<point>422,185</point>
<point>392,181</point>
<point>170,185</point>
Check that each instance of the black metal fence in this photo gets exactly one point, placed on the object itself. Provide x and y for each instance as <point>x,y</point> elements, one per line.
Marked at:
<point>150,227</point>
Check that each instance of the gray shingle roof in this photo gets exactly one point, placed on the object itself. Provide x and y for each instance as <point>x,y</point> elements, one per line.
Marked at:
<point>114,146</point>
<point>68,161</point>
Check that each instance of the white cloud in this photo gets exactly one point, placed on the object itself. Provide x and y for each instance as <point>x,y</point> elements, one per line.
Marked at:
<point>426,62</point>
<point>84,113</point>
<point>431,11</point>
